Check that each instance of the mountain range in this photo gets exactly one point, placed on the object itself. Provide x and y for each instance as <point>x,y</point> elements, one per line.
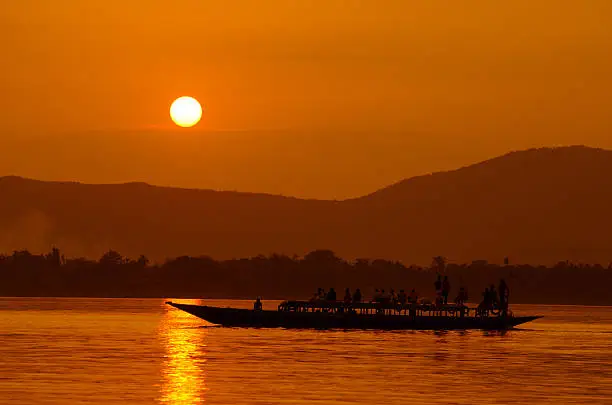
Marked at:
<point>537,206</point>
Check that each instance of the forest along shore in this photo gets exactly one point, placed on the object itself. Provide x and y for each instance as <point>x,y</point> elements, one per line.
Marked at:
<point>281,277</point>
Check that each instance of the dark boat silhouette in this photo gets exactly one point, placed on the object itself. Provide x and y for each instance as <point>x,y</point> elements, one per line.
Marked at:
<point>304,315</point>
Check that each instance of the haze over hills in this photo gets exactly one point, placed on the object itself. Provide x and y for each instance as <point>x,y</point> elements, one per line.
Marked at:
<point>534,206</point>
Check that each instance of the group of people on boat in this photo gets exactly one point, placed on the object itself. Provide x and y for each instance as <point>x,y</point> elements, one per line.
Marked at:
<point>331,295</point>
<point>394,298</point>
<point>443,290</point>
<point>380,296</point>
<point>493,299</point>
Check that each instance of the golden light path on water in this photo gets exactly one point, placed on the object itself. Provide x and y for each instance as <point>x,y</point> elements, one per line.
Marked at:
<point>183,372</point>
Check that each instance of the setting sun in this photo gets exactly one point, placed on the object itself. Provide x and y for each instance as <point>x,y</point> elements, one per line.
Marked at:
<point>185,111</point>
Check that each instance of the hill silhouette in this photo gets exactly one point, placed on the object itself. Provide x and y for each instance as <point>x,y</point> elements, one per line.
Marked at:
<point>534,206</point>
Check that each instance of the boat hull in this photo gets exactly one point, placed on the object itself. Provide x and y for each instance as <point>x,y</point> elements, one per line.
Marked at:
<point>234,317</point>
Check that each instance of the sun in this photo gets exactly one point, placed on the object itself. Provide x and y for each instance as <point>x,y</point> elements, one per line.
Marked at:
<point>185,111</point>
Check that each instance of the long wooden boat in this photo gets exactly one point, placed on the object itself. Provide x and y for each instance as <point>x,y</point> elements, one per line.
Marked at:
<point>335,315</point>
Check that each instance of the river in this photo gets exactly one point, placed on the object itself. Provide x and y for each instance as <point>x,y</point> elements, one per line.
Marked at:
<point>140,351</point>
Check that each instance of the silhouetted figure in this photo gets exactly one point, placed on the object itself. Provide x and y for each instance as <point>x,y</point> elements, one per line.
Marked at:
<point>445,289</point>
<point>377,296</point>
<point>331,295</point>
<point>506,261</point>
<point>357,295</point>
<point>393,297</point>
<point>461,297</point>
<point>494,299</point>
<point>504,294</point>
<point>402,297</point>
<point>414,297</point>
<point>347,296</point>
<point>322,294</point>
<point>384,297</point>
<point>258,306</point>
<point>438,285</point>
<point>486,300</point>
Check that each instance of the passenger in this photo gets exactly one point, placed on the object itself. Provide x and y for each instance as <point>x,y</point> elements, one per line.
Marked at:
<point>258,306</point>
<point>377,296</point>
<point>331,295</point>
<point>384,297</point>
<point>414,297</point>
<point>357,295</point>
<point>504,294</point>
<point>393,297</point>
<point>494,300</point>
<point>461,297</point>
<point>486,299</point>
<point>402,298</point>
<point>445,289</point>
<point>438,285</point>
<point>347,296</point>
<point>321,294</point>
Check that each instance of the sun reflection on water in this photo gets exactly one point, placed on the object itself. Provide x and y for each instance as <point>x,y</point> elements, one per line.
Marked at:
<point>183,372</point>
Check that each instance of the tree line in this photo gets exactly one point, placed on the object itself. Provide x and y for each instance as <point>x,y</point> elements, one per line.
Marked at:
<point>278,276</point>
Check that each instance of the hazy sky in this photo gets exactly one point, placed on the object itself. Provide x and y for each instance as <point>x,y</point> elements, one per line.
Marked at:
<point>321,98</point>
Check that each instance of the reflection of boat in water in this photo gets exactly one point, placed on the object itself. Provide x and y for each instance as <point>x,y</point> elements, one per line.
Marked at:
<point>337,315</point>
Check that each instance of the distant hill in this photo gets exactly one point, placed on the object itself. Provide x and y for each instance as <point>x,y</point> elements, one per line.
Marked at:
<point>537,206</point>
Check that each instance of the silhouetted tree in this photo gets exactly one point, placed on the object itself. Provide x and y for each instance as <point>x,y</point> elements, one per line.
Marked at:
<point>281,276</point>
<point>54,257</point>
<point>112,258</point>
<point>439,263</point>
<point>322,256</point>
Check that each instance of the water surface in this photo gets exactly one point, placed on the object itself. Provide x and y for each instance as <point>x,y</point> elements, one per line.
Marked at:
<point>140,351</point>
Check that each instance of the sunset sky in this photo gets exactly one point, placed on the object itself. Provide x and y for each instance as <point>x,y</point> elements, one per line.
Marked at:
<point>322,98</point>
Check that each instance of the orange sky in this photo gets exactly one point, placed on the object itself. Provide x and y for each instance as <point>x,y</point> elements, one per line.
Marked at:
<point>317,98</point>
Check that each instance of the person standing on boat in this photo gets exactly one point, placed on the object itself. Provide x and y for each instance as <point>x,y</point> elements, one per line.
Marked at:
<point>331,295</point>
<point>347,296</point>
<point>376,296</point>
<point>485,305</point>
<point>357,296</point>
<point>445,289</point>
<point>461,297</point>
<point>494,299</point>
<point>438,285</point>
<point>385,298</point>
<point>414,297</point>
<point>258,306</point>
<point>402,297</point>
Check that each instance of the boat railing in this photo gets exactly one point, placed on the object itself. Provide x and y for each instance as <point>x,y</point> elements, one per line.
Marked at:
<point>384,308</point>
